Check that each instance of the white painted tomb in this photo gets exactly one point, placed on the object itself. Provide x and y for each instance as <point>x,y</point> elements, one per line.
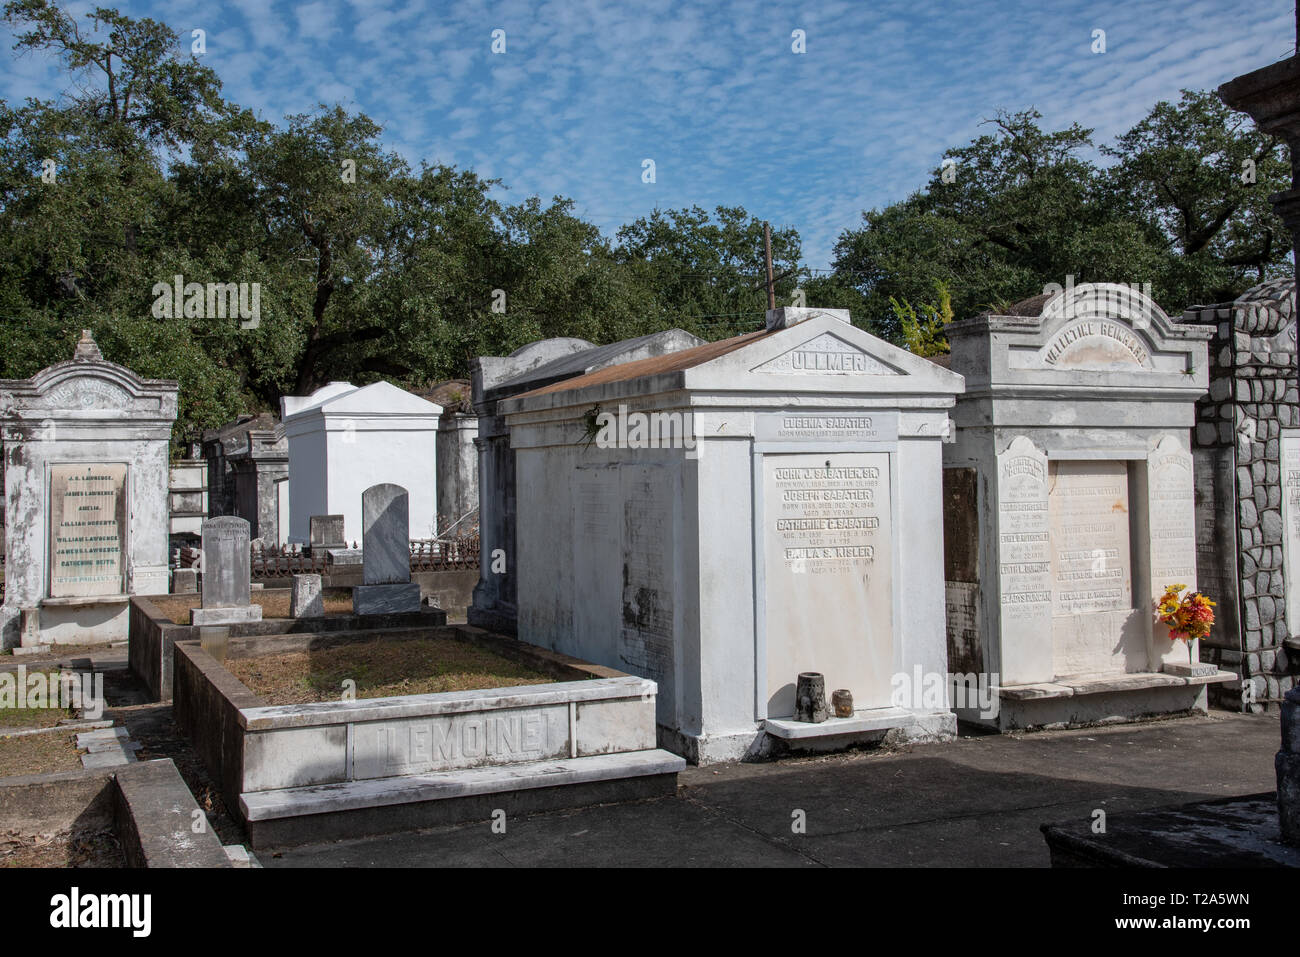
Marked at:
<point>344,439</point>
<point>1069,506</point>
<point>86,487</point>
<point>781,513</point>
<point>493,379</point>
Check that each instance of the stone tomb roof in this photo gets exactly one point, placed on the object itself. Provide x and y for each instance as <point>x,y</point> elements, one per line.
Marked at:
<point>89,388</point>
<point>824,354</point>
<point>1096,338</point>
<point>549,361</point>
<point>343,398</point>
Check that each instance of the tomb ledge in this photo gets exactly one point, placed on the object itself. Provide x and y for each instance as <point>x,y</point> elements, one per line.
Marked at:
<point>874,719</point>
<point>1074,685</point>
<point>75,600</point>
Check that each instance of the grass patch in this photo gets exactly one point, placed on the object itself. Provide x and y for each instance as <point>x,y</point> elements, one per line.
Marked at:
<point>39,754</point>
<point>275,604</point>
<point>381,669</point>
<point>34,717</point>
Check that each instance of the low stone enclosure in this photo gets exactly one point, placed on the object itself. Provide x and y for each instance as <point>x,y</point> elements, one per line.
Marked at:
<point>153,636</point>
<point>145,805</point>
<point>319,771</point>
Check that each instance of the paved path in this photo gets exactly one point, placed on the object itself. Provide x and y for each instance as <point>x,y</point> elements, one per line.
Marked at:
<point>974,802</point>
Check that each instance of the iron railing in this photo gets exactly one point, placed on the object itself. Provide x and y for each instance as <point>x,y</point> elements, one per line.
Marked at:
<point>273,561</point>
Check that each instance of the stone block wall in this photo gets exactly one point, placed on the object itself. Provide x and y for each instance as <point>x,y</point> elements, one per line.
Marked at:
<point>1241,534</point>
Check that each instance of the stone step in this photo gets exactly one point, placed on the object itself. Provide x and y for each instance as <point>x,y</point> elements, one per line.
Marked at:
<point>872,719</point>
<point>108,759</point>
<point>118,744</point>
<point>459,783</point>
<point>101,735</point>
<point>241,856</point>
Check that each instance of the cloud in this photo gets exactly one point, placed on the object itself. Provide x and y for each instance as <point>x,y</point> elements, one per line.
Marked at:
<point>712,92</point>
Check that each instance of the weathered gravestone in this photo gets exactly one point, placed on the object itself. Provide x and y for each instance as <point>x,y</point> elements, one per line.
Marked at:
<point>327,531</point>
<point>1069,507</point>
<point>85,474</point>
<point>739,513</point>
<point>385,554</point>
<point>226,574</point>
<point>1247,452</point>
<point>306,600</point>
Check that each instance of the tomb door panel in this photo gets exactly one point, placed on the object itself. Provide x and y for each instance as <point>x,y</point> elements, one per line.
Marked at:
<point>1094,628</point>
<point>828,575</point>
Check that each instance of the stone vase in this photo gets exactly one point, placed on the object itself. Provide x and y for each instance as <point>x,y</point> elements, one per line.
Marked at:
<point>810,698</point>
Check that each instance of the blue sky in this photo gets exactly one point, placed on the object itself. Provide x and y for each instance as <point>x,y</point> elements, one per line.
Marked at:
<point>712,91</point>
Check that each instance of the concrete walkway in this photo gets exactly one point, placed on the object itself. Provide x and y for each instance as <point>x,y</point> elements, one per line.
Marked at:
<point>974,802</point>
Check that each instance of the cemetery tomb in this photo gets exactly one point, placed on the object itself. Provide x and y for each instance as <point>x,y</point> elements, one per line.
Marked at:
<point>188,500</point>
<point>246,461</point>
<point>1246,447</point>
<point>86,482</point>
<point>571,734</point>
<point>1069,507</point>
<point>457,457</point>
<point>343,440</point>
<point>751,509</point>
<point>495,378</point>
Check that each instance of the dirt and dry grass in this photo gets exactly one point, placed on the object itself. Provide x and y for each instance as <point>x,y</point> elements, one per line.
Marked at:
<point>82,847</point>
<point>38,754</point>
<point>11,717</point>
<point>275,604</point>
<point>380,669</point>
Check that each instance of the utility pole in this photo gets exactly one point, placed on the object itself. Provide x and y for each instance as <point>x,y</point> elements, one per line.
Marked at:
<point>767,255</point>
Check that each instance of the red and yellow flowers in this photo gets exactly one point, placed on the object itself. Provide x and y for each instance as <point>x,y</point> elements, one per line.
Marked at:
<point>1189,616</point>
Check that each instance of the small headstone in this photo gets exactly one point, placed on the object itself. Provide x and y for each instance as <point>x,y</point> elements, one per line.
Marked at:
<point>326,531</point>
<point>385,554</point>
<point>306,601</point>
<point>185,581</point>
<point>226,574</point>
<point>344,556</point>
<point>385,543</point>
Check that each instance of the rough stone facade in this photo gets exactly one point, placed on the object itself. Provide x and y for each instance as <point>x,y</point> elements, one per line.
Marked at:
<point>1241,533</point>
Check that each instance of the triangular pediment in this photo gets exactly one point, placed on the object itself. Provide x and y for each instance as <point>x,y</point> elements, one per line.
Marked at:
<point>826,354</point>
<point>379,398</point>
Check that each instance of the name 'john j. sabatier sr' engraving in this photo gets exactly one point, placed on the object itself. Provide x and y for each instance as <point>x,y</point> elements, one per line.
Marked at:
<point>815,476</point>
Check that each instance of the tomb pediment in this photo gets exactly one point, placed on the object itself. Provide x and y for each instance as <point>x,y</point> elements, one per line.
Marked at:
<point>826,354</point>
<point>87,385</point>
<point>823,354</point>
<point>1095,335</point>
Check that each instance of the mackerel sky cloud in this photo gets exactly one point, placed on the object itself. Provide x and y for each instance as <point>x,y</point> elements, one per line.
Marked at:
<point>712,92</point>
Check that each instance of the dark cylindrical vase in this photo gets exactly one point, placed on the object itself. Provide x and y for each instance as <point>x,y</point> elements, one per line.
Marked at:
<point>842,702</point>
<point>810,698</point>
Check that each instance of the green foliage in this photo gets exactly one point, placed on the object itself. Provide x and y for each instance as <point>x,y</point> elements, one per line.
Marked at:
<point>923,326</point>
<point>1020,208</point>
